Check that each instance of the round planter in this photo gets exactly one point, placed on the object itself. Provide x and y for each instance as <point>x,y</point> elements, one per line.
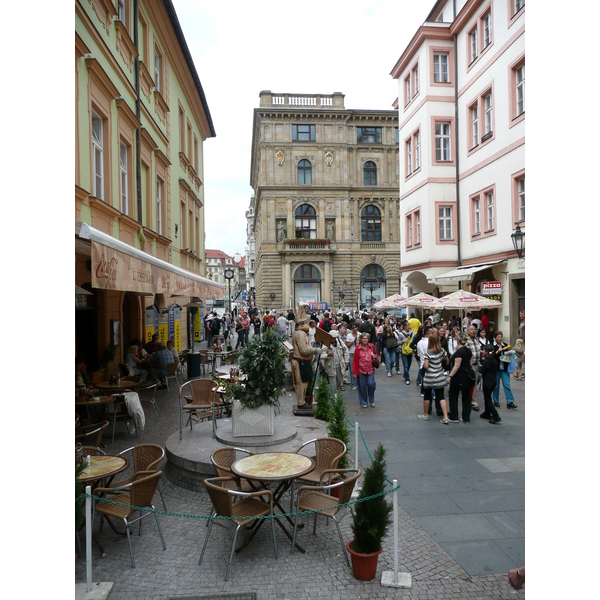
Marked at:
<point>364,566</point>
<point>308,400</point>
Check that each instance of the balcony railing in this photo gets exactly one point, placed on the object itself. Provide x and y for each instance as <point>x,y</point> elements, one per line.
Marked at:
<point>305,243</point>
<point>335,100</point>
<point>372,245</point>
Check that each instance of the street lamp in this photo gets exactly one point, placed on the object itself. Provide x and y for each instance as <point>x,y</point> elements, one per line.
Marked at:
<point>371,285</point>
<point>272,296</point>
<point>229,274</point>
<point>518,240</point>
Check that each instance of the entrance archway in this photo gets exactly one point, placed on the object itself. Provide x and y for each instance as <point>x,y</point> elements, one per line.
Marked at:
<point>307,284</point>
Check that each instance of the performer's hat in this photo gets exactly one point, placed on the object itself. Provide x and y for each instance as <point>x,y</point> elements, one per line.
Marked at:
<point>301,313</point>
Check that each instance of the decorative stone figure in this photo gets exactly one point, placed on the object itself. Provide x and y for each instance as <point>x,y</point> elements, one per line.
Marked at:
<point>330,230</point>
<point>280,231</point>
<point>303,354</point>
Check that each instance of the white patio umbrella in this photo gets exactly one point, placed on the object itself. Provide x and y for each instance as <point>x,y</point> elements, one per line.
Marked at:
<point>395,301</point>
<point>421,300</point>
<point>464,300</point>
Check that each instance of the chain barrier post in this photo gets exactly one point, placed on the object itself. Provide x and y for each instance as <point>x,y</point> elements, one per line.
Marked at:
<point>88,538</point>
<point>356,445</point>
<point>395,503</point>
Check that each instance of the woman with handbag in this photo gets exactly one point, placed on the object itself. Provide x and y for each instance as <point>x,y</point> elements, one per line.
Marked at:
<point>389,342</point>
<point>461,378</point>
<point>363,367</point>
<point>405,337</point>
<point>434,379</point>
<point>503,375</point>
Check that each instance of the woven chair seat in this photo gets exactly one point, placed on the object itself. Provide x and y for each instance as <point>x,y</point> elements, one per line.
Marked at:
<point>111,510</point>
<point>317,500</point>
<point>249,507</point>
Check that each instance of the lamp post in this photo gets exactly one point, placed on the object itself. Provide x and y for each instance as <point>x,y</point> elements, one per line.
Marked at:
<point>272,295</point>
<point>229,274</point>
<point>371,285</point>
<point>518,240</point>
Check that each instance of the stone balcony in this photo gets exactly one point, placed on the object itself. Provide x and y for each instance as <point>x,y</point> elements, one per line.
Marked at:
<point>301,245</point>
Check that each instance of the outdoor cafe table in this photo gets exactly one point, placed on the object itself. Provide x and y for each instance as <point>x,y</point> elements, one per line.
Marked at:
<point>281,467</point>
<point>96,401</point>
<point>107,386</point>
<point>218,355</point>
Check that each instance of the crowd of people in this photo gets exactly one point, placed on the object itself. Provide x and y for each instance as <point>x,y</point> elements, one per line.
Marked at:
<point>455,356</point>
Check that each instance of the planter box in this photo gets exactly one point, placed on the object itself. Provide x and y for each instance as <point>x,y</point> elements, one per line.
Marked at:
<point>247,422</point>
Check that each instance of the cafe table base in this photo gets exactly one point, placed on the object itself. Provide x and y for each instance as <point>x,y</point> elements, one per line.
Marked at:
<point>282,467</point>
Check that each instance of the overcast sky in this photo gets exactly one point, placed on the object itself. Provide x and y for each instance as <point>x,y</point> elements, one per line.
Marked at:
<point>241,48</point>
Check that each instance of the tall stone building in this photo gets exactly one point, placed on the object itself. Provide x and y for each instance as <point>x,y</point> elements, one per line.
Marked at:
<point>325,181</point>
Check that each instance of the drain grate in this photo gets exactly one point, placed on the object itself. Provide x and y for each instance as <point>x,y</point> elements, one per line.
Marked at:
<point>250,596</point>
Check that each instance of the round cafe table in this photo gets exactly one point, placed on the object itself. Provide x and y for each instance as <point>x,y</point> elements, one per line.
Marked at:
<point>270,467</point>
<point>108,386</point>
<point>103,467</point>
<point>96,401</point>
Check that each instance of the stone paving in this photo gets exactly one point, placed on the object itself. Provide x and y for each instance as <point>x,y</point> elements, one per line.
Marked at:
<point>455,510</point>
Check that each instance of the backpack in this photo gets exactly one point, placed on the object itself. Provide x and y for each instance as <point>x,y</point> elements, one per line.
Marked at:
<point>215,326</point>
<point>327,325</point>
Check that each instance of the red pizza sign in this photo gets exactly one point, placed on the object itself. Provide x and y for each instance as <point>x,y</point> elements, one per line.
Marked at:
<point>491,288</point>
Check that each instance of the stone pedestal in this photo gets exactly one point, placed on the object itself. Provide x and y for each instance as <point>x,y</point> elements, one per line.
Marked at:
<point>252,422</point>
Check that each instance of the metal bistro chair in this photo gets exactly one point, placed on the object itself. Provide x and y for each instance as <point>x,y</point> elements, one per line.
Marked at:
<point>172,373</point>
<point>120,411</point>
<point>317,497</point>
<point>201,398</point>
<point>205,360</point>
<point>147,394</point>
<point>146,457</point>
<point>91,435</point>
<point>241,512</point>
<point>222,459</point>
<point>137,494</point>
<point>328,453</point>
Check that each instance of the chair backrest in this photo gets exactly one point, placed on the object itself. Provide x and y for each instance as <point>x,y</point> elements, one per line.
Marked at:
<point>91,435</point>
<point>137,380</point>
<point>171,369</point>
<point>328,453</point>
<point>142,490</point>
<point>146,457</point>
<point>223,458</point>
<point>90,451</point>
<point>348,484</point>
<point>221,500</point>
<point>202,394</point>
<point>147,391</point>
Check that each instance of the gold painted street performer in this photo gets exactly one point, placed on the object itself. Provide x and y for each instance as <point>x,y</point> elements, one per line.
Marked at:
<point>302,372</point>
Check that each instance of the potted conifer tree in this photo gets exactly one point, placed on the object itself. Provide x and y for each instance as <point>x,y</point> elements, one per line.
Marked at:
<point>323,400</point>
<point>371,520</point>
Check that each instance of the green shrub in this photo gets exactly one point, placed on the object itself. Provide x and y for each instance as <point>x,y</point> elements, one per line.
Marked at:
<point>323,400</point>
<point>372,518</point>
<point>338,426</point>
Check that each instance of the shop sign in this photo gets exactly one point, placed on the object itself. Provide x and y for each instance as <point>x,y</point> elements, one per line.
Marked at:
<point>175,326</point>
<point>151,323</point>
<point>491,288</point>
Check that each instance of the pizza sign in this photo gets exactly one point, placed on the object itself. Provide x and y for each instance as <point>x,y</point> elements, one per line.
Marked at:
<point>491,288</point>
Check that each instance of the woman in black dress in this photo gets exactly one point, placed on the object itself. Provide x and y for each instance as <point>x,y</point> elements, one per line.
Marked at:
<point>460,381</point>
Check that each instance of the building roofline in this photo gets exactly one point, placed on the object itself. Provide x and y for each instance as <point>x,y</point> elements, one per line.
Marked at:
<point>190,62</point>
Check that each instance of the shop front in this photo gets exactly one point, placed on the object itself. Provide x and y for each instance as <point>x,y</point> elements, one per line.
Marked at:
<point>135,295</point>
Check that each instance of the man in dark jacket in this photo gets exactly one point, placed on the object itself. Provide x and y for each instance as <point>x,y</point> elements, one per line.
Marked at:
<point>488,370</point>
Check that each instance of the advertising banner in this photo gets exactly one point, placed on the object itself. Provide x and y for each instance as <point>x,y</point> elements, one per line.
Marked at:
<point>151,323</point>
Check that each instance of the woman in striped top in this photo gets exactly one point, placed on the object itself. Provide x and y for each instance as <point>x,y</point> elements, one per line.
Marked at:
<point>434,378</point>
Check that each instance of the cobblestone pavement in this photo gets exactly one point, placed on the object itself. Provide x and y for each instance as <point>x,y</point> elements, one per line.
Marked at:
<point>322,570</point>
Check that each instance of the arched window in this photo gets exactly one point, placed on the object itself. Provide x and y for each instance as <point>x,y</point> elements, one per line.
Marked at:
<point>307,273</point>
<point>304,172</point>
<point>306,222</point>
<point>370,220</point>
<point>370,173</point>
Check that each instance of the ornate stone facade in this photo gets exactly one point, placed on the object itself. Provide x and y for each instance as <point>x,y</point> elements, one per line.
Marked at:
<point>329,176</point>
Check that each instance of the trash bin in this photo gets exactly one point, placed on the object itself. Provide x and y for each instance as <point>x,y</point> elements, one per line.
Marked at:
<point>193,366</point>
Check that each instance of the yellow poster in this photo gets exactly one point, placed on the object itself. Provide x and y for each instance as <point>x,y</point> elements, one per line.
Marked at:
<point>197,327</point>
<point>178,336</point>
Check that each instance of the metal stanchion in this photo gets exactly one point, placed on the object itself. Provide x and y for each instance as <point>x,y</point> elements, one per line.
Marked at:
<point>392,578</point>
<point>88,538</point>
<point>356,445</point>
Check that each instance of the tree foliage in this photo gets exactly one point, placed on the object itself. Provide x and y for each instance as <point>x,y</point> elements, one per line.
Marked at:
<point>338,426</point>
<point>262,360</point>
<point>323,400</point>
<point>372,518</point>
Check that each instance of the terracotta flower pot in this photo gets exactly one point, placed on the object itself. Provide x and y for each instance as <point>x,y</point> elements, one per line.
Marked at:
<point>335,492</point>
<point>364,566</point>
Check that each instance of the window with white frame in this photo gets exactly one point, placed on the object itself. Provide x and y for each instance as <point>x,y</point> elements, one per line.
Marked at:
<point>407,90</point>
<point>98,155</point>
<point>476,216</point>
<point>157,69</point>
<point>490,210</point>
<point>487,105</point>
<point>442,142</point>
<point>158,206</point>
<point>418,226</point>
<point>521,198</point>
<point>417,141</point>
<point>123,178</point>
<point>475,125</point>
<point>408,157</point>
<point>415,73</point>
<point>445,222</point>
<point>473,39</point>
<point>487,29</point>
<point>409,236</point>
<point>520,89</point>
<point>121,11</point>
<point>440,68</point>
<point>519,4</point>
